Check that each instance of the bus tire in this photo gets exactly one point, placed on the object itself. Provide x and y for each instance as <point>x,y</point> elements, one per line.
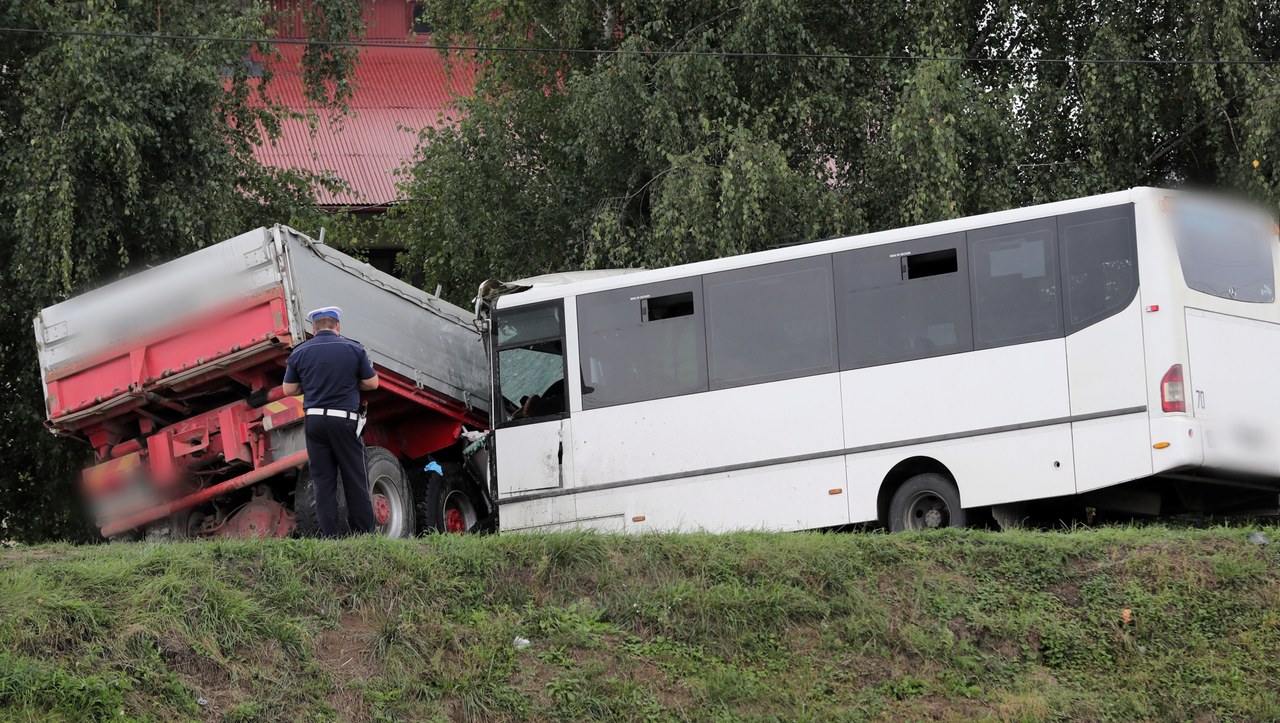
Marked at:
<point>926,502</point>
<point>447,503</point>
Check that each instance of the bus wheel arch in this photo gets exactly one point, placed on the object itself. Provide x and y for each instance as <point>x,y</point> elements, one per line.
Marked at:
<point>929,480</point>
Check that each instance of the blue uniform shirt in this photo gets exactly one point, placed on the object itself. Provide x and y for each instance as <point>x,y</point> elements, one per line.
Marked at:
<point>329,367</point>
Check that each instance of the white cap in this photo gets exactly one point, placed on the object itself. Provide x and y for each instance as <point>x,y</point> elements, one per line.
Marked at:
<point>331,311</point>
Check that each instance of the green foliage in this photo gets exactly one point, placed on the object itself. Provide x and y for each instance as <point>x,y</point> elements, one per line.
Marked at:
<point>34,687</point>
<point>117,153</point>
<point>580,160</point>
<point>952,626</point>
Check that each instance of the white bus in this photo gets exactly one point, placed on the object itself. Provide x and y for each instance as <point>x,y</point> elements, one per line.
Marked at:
<point>1119,350</point>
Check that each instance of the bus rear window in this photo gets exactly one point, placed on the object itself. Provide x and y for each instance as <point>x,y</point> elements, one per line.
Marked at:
<point>1224,253</point>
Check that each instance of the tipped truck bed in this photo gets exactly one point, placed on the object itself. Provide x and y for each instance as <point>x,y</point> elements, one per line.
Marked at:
<point>174,378</point>
<point>232,304</point>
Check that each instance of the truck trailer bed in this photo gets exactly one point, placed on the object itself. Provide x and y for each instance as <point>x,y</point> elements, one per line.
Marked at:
<point>174,375</point>
<point>224,307</point>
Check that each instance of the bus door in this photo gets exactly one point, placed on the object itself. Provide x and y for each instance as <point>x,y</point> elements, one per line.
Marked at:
<point>531,413</point>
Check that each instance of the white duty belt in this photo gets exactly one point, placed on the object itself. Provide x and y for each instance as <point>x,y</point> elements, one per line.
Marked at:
<point>319,412</point>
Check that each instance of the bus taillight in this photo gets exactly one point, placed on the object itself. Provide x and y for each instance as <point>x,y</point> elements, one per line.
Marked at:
<point>1171,398</point>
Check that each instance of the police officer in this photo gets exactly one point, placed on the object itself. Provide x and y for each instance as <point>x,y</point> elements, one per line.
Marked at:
<point>331,371</point>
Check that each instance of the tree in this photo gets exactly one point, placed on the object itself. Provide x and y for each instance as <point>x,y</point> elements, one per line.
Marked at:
<point>568,158</point>
<point>119,152</point>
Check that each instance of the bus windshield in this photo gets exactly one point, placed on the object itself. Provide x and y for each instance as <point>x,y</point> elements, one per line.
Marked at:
<point>530,362</point>
<point>1224,252</point>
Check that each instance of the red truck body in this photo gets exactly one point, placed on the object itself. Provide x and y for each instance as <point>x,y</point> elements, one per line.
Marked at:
<point>184,408</point>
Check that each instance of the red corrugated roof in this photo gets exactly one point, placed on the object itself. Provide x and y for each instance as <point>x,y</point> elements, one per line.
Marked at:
<point>398,91</point>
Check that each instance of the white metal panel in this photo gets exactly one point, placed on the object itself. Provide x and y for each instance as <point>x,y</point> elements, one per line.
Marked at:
<point>1233,390</point>
<point>1185,438</point>
<point>792,496</point>
<point>1105,364</point>
<point>529,457</point>
<point>613,524</point>
<point>1111,450</point>
<point>990,469</point>
<point>1160,285</point>
<point>703,431</point>
<point>573,363</point>
<point>1106,369</point>
<point>1165,331</point>
<point>979,390</point>
<point>1211,360</point>
<point>546,512</point>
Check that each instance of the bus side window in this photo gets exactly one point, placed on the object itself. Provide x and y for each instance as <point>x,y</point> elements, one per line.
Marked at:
<point>1099,263</point>
<point>903,301</point>
<point>1015,283</point>
<point>771,322</point>
<point>642,343</point>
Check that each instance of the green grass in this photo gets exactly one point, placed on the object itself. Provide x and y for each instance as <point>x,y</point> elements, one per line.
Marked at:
<point>956,625</point>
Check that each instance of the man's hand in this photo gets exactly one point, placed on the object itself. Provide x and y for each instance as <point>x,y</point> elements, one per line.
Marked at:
<point>291,390</point>
<point>370,384</point>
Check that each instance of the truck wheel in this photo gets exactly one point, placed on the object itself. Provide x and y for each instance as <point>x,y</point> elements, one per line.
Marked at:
<point>392,505</point>
<point>304,506</point>
<point>186,524</point>
<point>448,502</point>
<point>926,502</point>
<point>159,531</point>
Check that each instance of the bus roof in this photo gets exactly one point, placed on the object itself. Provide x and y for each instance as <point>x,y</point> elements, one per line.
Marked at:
<point>571,277</point>
<point>633,277</point>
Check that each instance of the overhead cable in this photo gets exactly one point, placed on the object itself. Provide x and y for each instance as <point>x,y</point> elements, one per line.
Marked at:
<point>636,52</point>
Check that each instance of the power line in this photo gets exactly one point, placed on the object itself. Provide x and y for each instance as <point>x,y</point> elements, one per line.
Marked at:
<point>621,52</point>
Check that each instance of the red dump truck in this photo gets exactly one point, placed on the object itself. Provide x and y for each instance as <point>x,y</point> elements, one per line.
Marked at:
<point>173,377</point>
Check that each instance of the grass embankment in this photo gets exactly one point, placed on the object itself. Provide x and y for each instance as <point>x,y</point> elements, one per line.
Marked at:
<point>1021,626</point>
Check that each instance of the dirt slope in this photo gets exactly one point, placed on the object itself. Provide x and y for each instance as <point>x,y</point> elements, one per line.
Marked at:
<point>954,626</point>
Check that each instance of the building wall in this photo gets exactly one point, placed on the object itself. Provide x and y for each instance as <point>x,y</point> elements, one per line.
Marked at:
<point>386,20</point>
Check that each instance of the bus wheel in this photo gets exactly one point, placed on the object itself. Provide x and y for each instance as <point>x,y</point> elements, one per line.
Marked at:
<point>926,502</point>
<point>447,503</point>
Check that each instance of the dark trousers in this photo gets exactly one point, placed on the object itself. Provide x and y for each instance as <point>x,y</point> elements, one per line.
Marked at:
<point>334,447</point>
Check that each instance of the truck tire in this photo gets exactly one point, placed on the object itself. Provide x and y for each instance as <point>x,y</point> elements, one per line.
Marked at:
<point>448,503</point>
<point>185,524</point>
<point>304,506</point>
<point>159,531</point>
<point>926,502</point>
<point>386,480</point>
<point>390,490</point>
